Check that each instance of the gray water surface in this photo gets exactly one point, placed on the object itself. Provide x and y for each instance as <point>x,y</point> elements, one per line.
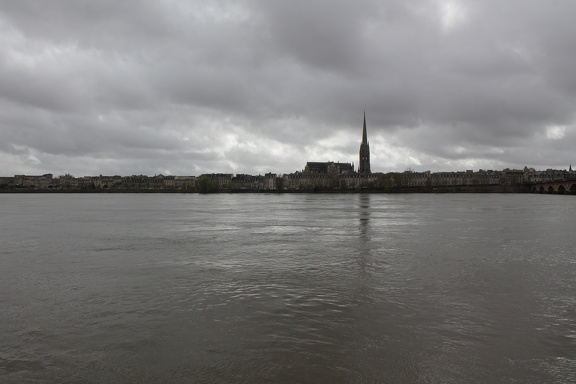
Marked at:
<point>287,288</point>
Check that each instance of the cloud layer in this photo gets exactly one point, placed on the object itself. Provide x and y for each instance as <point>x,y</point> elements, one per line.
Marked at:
<point>252,86</point>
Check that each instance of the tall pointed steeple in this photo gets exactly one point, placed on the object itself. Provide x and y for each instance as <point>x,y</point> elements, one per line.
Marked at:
<point>364,166</point>
<point>364,135</point>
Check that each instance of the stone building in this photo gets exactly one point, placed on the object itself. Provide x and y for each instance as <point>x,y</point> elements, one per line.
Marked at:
<point>364,167</point>
<point>512,176</point>
<point>328,168</point>
<point>34,182</point>
<point>6,182</point>
<point>143,182</point>
<point>270,180</point>
<point>185,182</point>
<point>220,180</point>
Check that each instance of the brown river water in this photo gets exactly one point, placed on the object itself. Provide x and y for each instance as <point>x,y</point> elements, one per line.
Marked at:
<point>287,288</point>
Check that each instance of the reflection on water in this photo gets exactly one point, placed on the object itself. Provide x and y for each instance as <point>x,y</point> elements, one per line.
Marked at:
<point>364,237</point>
<point>364,213</point>
<point>287,288</point>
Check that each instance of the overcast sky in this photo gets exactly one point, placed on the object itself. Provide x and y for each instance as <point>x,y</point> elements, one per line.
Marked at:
<point>252,86</point>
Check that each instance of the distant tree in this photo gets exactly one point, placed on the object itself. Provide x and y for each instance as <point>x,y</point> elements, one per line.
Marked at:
<point>380,182</point>
<point>280,183</point>
<point>393,180</point>
<point>399,180</point>
<point>206,185</point>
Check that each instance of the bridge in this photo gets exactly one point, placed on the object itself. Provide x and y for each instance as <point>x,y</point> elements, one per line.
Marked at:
<point>561,187</point>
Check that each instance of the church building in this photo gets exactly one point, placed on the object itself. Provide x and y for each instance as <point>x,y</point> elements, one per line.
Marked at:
<point>332,168</point>
<point>364,151</point>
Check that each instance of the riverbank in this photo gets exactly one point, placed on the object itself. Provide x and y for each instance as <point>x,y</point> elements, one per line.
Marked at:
<point>521,188</point>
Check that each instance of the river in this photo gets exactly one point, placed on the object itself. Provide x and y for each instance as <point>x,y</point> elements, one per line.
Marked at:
<point>287,288</point>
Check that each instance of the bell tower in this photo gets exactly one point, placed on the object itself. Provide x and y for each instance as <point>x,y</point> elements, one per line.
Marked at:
<point>364,166</point>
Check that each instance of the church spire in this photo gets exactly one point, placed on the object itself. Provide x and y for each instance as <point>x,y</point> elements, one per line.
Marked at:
<point>364,135</point>
<point>364,166</point>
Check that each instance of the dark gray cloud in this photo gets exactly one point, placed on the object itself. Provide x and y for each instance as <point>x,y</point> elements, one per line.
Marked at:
<point>252,86</point>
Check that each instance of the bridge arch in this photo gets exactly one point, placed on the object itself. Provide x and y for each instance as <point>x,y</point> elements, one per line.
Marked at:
<point>550,189</point>
<point>561,189</point>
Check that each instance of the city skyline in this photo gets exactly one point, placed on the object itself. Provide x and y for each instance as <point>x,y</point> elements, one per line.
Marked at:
<point>186,88</point>
<point>315,176</point>
<point>321,167</point>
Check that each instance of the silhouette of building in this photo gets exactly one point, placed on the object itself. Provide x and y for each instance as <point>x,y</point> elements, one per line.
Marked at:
<point>364,166</point>
<point>328,167</point>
